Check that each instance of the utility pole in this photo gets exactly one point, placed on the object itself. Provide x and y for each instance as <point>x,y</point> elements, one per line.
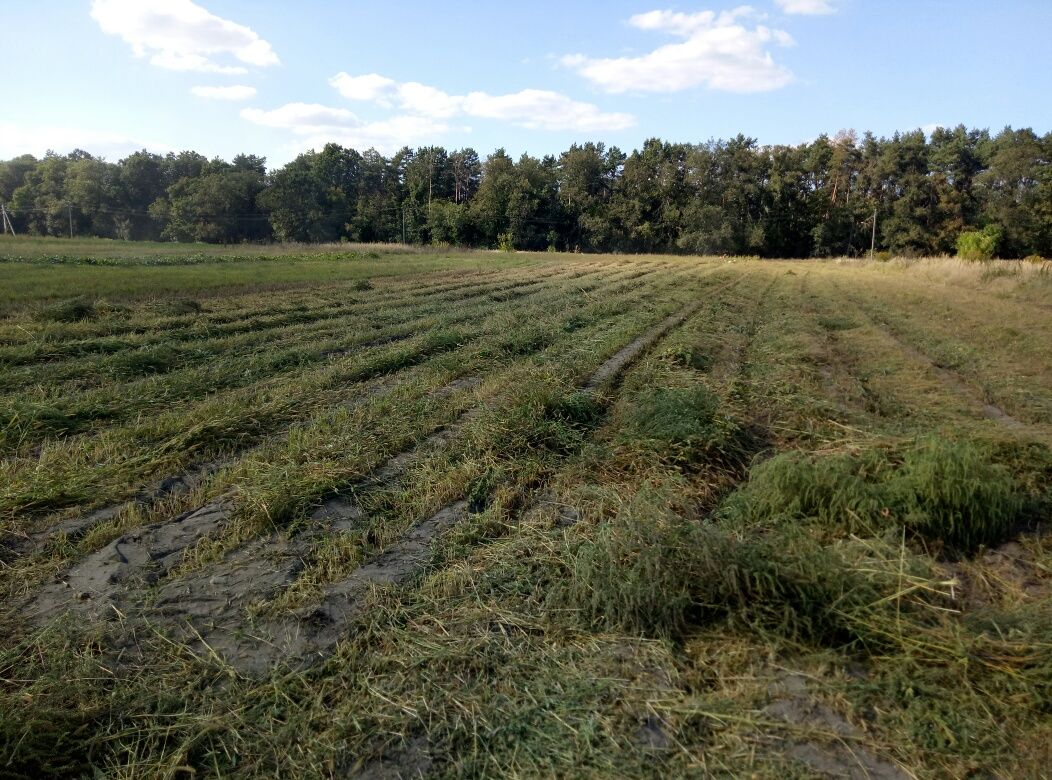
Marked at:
<point>430,179</point>
<point>403,225</point>
<point>7,220</point>
<point>69,209</point>
<point>873,239</point>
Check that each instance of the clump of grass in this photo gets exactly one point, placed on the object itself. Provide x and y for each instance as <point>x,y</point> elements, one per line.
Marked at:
<point>949,492</point>
<point>525,341</point>
<point>152,360</point>
<point>74,310</point>
<point>638,574</point>
<point>691,357</point>
<point>565,420</point>
<point>441,341</point>
<point>836,323</point>
<point>362,285</point>
<point>952,492</point>
<point>183,306</point>
<point>685,426</point>
<point>53,736</point>
<point>650,571</point>
<point>576,322</point>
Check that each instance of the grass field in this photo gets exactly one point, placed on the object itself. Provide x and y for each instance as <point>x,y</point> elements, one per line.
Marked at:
<point>366,512</point>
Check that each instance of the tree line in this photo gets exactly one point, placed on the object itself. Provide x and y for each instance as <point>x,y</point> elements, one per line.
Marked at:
<point>720,197</point>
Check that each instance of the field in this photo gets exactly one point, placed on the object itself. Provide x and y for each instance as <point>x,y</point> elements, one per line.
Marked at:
<point>362,512</point>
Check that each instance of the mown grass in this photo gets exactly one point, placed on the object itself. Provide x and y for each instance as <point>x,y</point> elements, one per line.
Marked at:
<point>778,490</point>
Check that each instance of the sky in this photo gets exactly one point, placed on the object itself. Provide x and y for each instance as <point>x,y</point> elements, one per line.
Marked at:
<point>224,77</point>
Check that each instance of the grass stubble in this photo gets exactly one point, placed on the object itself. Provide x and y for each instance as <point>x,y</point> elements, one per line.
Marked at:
<point>778,543</point>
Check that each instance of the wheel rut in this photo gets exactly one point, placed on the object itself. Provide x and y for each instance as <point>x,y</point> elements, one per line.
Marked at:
<point>951,379</point>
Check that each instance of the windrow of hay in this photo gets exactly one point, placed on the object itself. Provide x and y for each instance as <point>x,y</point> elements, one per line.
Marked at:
<point>942,491</point>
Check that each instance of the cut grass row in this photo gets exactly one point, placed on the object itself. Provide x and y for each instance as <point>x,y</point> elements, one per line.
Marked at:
<point>115,472</point>
<point>614,572</point>
<point>55,410</point>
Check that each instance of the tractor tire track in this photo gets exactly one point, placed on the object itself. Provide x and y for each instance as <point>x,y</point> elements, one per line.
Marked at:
<point>951,379</point>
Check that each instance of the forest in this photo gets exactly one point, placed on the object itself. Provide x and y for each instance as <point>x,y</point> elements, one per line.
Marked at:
<point>733,197</point>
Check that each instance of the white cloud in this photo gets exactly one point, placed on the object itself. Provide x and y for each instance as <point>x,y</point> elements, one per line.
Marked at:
<point>301,118</point>
<point>236,92</point>
<point>538,109</point>
<point>718,50</point>
<point>181,35</point>
<point>318,125</point>
<point>530,108</point>
<point>372,86</point>
<point>429,101</point>
<point>386,136</point>
<point>807,7</point>
<point>17,140</point>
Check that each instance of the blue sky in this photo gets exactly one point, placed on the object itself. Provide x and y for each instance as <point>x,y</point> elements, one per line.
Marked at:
<point>270,78</point>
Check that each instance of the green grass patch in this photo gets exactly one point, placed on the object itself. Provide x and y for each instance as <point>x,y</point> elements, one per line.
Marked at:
<point>685,426</point>
<point>950,492</point>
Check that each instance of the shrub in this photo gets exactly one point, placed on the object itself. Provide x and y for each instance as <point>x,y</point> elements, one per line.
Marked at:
<point>979,244</point>
<point>506,242</point>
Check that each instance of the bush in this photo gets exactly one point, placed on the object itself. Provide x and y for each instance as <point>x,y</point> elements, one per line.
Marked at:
<point>506,242</point>
<point>979,244</point>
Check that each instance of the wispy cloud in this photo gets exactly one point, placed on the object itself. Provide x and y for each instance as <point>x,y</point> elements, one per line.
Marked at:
<point>181,35</point>
<point>17,139</point>
<point>807,7</point>
<point>234,93</point>
<point>536,109</point>
<point>301,117</point>
<point>317,125</point>
<point>724,51</point>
